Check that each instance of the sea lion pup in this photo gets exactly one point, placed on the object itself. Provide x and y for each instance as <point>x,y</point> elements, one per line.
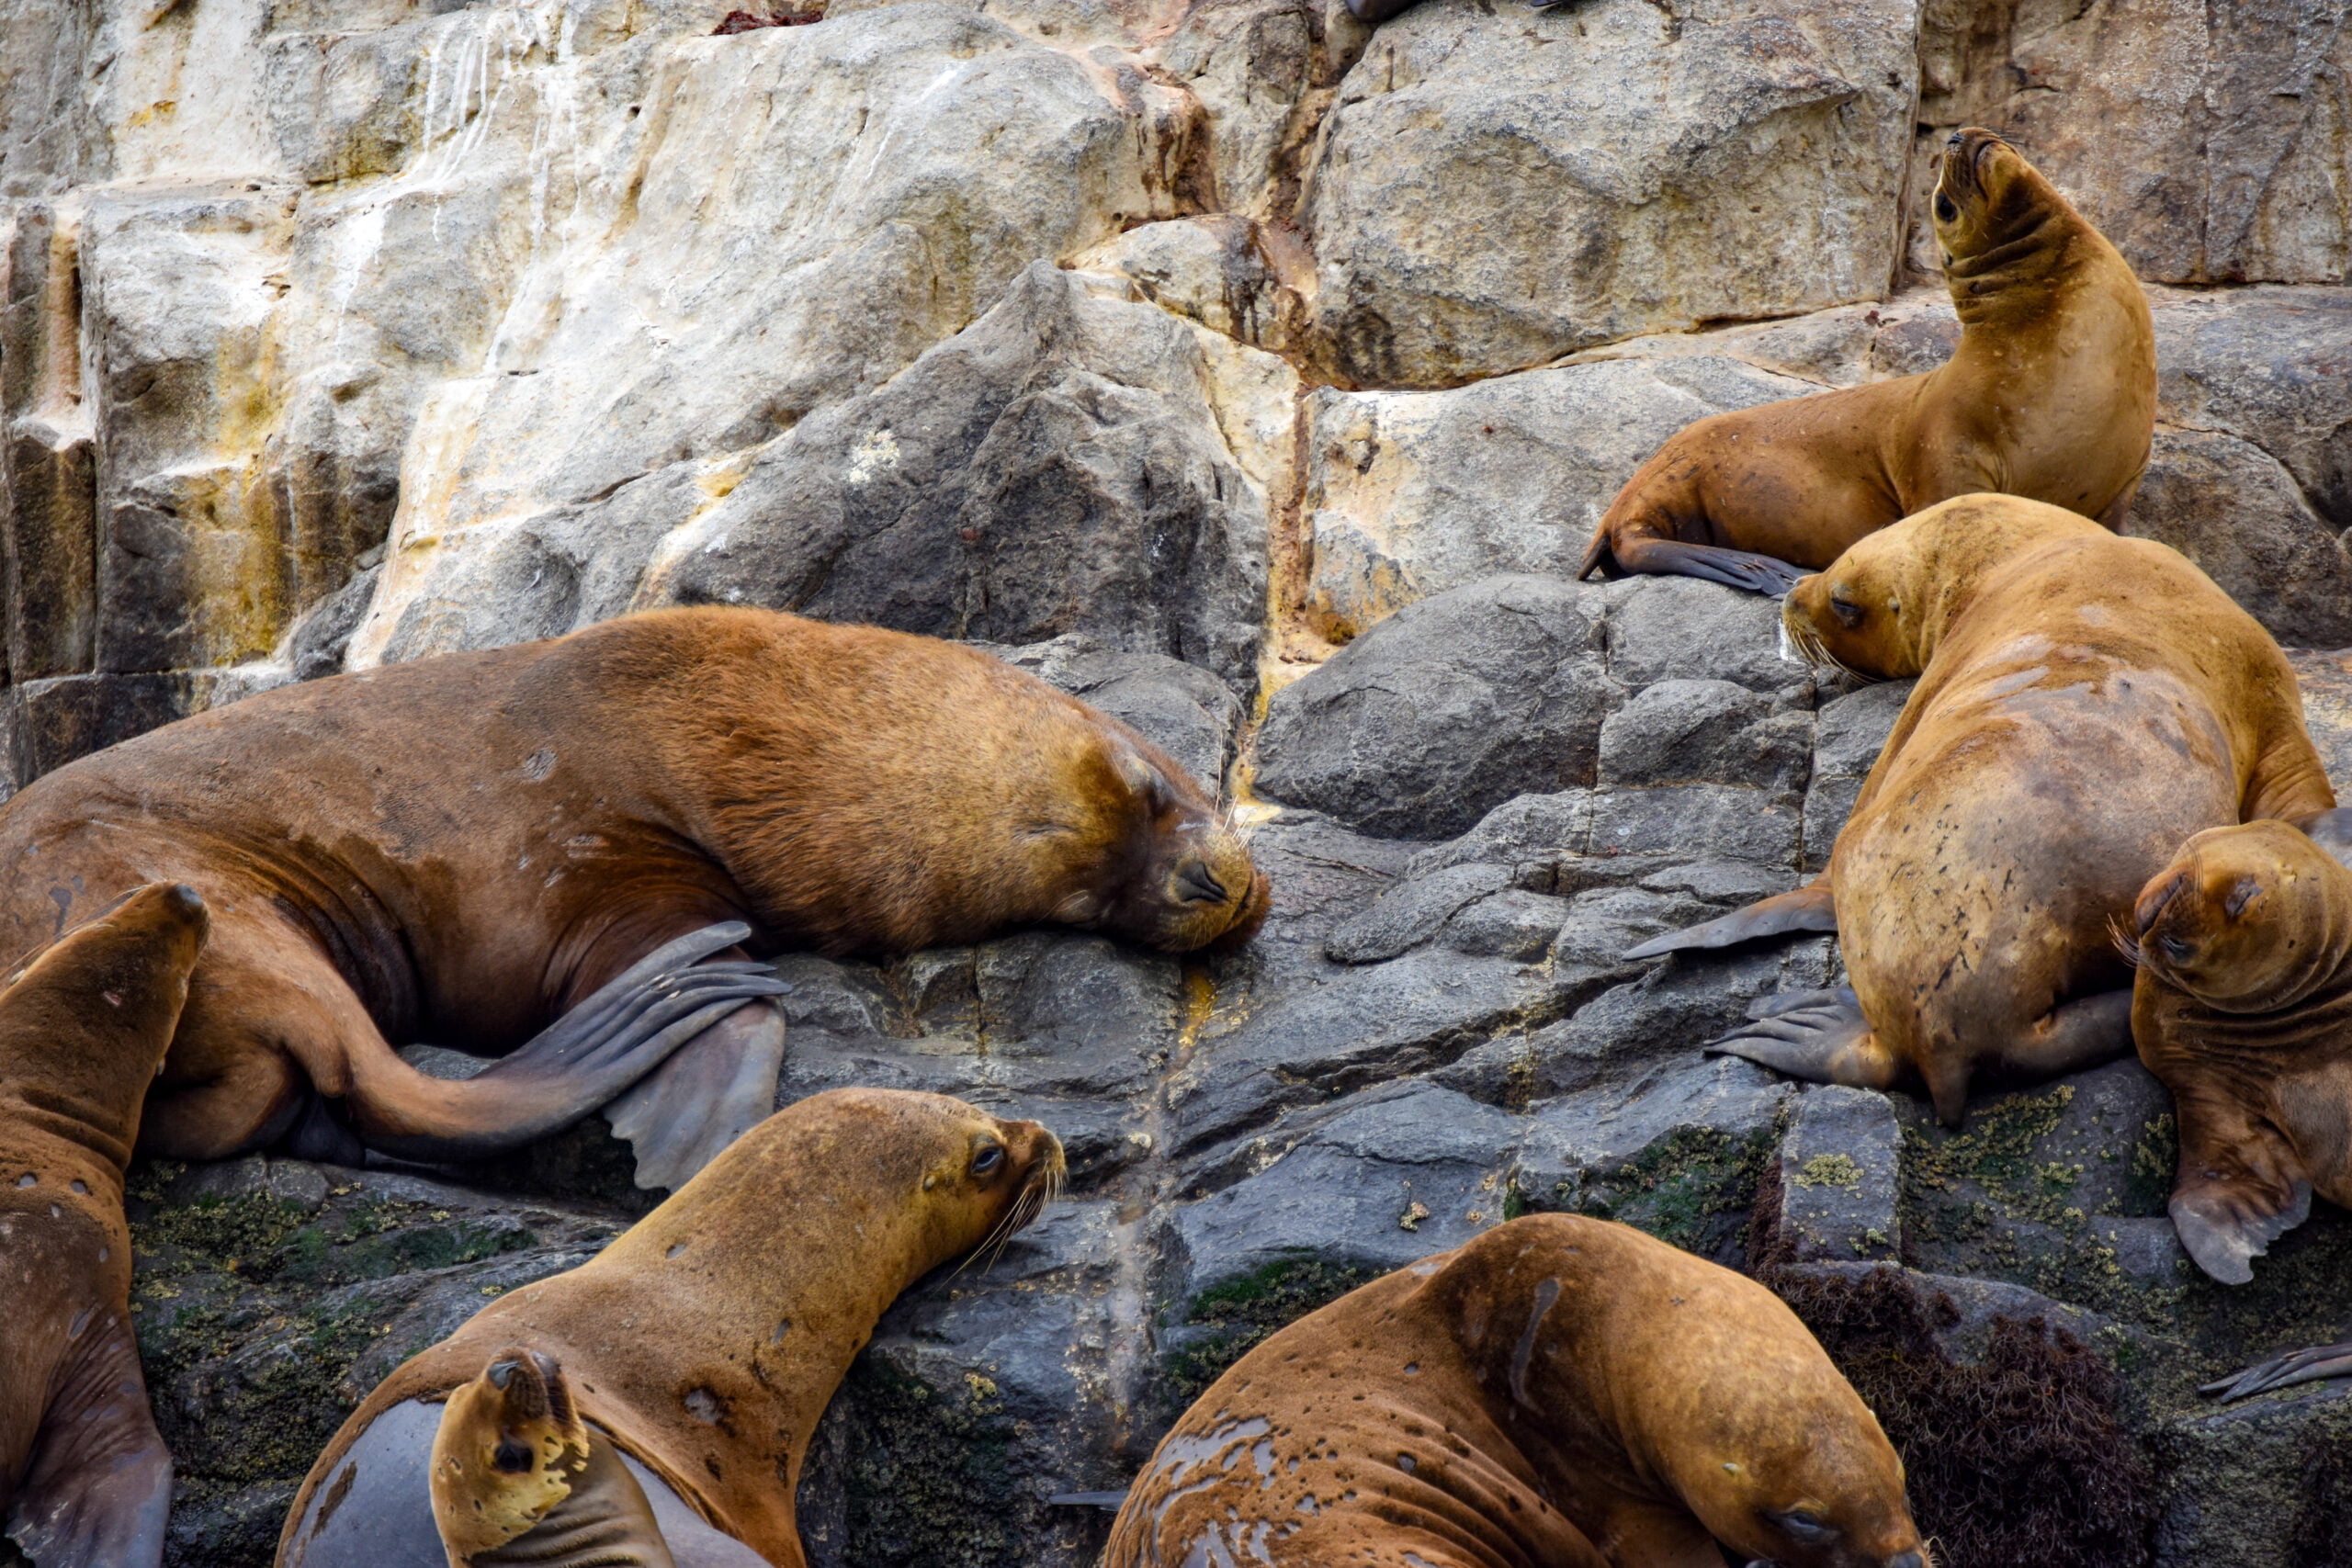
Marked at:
<point>702,1345</point>
<point>2085,704</point>
<point>1561,1391</point>
<point>85,1481</point>
<point>463,848</point>
<point>2052,395</point>
<point>2243,1008</point>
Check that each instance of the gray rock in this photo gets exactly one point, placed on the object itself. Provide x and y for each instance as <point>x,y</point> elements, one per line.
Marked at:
<point>2266,365</point>
<point>2235,511</point>
<point>1055,468</point>
<point>1534,837</point>
<point>1702,821</point>
<point>2257,1483</point>
<point>1490,195</point>
<point>1411,913</point>
<point>1681,732</point>
<point>1411,493</point>
<point>1838,1179</point>
<point>1666,629</point>
<point>1670,1011</point>
<point>1849,732</point>
<point>1446,710</point>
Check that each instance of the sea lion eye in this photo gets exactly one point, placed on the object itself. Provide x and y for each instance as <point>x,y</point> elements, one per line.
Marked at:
<point>1804,1525</point>
<point>2245,893</point>
<point>1945,211</point>
<point>1845,609</point>
<point>2175,948</point>
<point>986,1158</point>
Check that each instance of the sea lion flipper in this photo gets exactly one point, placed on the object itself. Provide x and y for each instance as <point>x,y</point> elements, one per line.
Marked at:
<point>2225,1225</point>
<point>99,1488</point>
<point>710,1092</point>
<point>1807,908</point>
<point>2284,1371</point>
<point>1827,1042</point>
<point>1711,563</point>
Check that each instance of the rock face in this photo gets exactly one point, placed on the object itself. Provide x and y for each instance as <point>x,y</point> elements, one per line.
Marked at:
<point>1259,377</point>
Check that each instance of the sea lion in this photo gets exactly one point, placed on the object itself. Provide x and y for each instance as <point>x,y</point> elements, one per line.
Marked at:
<point>702,1345</point>
<point>1561,1391</point>
<point>85,1481</point>
<point>2085,704</point>
<point>2242,1006</point>
<point>463,848</point>
<point>2052,394</point>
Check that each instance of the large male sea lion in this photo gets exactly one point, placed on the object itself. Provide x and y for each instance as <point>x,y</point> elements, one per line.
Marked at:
<point>700,1348</point>
<point>1561,1391</point>
<point>2052,394</point>
<point>462,848</point>
<point>84,1479</point>
<point>2085,704</point>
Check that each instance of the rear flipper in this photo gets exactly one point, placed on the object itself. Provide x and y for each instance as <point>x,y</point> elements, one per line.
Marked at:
<point>1808,909</point>
<point>679,1116</point>
<point>581,1061</point>
<point>517,1477</point>
<point>1712,563</point>
<point>99,1487</point>
<point>1819,1036</point>
<point>2285,1371</point>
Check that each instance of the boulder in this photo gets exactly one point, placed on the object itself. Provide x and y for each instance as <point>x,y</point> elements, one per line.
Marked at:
<point>1446,710</point>
<point>1056,468</point>
<point>2236,512</point>
<point>1491,193</point>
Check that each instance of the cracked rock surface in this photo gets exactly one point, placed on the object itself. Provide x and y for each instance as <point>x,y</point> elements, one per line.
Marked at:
<point>1257,375</point>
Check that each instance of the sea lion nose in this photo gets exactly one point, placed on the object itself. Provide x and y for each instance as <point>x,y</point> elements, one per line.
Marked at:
<point>186,900</point>
<point>2151,903</point>
<point>1196,883</point>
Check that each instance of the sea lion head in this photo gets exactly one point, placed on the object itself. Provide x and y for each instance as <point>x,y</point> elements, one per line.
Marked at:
<point>510,1447</point>
<point>1880,609</point>
<point>1179,877</point>
<point>970,1181</point>
<point>1792,1468</point>
<point>2250,918</point>
<point>1987,198</point>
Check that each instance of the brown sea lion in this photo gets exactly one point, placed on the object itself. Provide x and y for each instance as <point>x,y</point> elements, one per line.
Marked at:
<point>462,848</point>
<point>85,1481</point>
<point>704,1343</point>
<point>1563,1392</point>
<point>2085,704</point>
<point>2243,1007</point>
<point>2052,394</point>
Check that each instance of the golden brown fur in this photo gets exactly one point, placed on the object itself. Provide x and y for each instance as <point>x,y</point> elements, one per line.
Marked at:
<point>84,1476</point>
<point>706,1341</point>
<point>462,848</point>
<point>2052,395</point>
<point>2085,704</point>
<point>1561,1392</point>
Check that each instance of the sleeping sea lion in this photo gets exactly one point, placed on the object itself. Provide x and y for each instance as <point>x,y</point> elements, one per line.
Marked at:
<point>1561,1391</point>
<point>463,848</point>
<point>2243,1008</point>
<point>2085,704</point>
<point>85,1481</point>
<point>700,1347</point>
<point>2052,394</point>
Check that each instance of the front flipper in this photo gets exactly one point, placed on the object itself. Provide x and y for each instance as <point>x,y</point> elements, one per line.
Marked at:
<point>2238,1189</point>
<point>1712,563</point>
<point>1808,909</point>
<point>679,1116</point>
<point>99,1487</point>
<point>2285,1371</point>
<point>1819,1036</point>
<point>581,1061</point>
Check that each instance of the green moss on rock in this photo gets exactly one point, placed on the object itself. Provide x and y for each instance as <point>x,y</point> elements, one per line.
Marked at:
<point>1692,1189</point>
<point>928,1485</point>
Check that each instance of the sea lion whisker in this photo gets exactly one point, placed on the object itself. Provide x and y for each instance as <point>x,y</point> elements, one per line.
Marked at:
<point>2125,943</point>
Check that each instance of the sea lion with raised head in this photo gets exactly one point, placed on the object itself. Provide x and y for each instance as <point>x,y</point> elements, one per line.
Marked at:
<point>85,1481</point>
<point>462,848</point>
<point>1561,1391</point>
<point>2085,704</point>
<point>701,1346</point>
<point>2052,395</point>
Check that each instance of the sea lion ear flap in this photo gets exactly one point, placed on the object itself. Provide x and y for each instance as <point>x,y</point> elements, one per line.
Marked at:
<point>1144,779</point>
<point>2226,1212</point>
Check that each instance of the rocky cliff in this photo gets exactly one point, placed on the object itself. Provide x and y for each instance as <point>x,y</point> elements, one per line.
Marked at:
<point>1257,375</point>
